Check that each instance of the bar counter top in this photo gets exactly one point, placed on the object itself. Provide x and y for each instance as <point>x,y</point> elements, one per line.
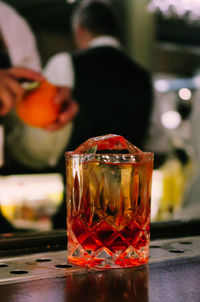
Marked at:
<point>172,274</point>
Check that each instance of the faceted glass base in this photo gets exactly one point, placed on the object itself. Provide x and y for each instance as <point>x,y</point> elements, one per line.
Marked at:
<point>106,263</point>
<point>116,252</point>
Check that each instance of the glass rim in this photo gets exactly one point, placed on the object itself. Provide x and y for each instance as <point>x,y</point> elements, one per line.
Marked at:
<point>135,153</point>
<point>143,155</point>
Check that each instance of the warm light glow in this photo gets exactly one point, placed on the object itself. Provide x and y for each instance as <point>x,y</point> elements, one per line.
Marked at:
<point>185,94</point>
<point>182,8</point>
<point>171,119</point>
<point>39,194</point>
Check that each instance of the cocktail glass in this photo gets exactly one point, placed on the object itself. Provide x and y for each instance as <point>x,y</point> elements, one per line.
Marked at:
<point>108,208</point>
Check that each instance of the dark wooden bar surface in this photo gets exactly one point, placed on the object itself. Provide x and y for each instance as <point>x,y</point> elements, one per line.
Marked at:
<point>176,281</point>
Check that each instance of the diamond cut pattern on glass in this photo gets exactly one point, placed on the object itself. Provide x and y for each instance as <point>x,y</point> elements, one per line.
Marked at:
<point>103,232</point>
<point>90,244</point>
<point>104,242</point>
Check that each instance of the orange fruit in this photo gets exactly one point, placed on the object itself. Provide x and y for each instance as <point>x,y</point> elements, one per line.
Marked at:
<point>38,108</point>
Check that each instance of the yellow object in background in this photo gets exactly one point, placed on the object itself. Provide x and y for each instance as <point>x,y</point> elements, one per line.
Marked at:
<point>174,177</point>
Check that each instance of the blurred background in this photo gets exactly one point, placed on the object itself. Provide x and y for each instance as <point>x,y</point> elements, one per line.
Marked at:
<point>164,37</point>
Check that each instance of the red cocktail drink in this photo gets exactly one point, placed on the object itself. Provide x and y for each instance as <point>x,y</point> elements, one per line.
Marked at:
<point>108,204</point>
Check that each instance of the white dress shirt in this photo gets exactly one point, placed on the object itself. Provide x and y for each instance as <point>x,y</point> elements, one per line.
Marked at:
<point>59,69</point>
<point>19,39</point>
<point>31,146</point>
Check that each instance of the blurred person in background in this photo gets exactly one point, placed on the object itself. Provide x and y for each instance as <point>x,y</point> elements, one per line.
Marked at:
<point>18,48</point>
<point>114,93</point>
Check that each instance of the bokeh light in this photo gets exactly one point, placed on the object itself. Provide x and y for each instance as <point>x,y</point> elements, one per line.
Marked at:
<point>185,94</point>
<point>171,119</point>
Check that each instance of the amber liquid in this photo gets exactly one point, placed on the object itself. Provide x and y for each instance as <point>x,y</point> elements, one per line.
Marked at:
<point>108,213</point>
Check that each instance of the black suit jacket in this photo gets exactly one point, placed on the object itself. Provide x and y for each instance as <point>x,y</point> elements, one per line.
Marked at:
<point>114,94</point>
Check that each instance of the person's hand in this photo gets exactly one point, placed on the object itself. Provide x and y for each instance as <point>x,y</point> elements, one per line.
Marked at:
<point>10,88</point>
<point>69,108</point>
